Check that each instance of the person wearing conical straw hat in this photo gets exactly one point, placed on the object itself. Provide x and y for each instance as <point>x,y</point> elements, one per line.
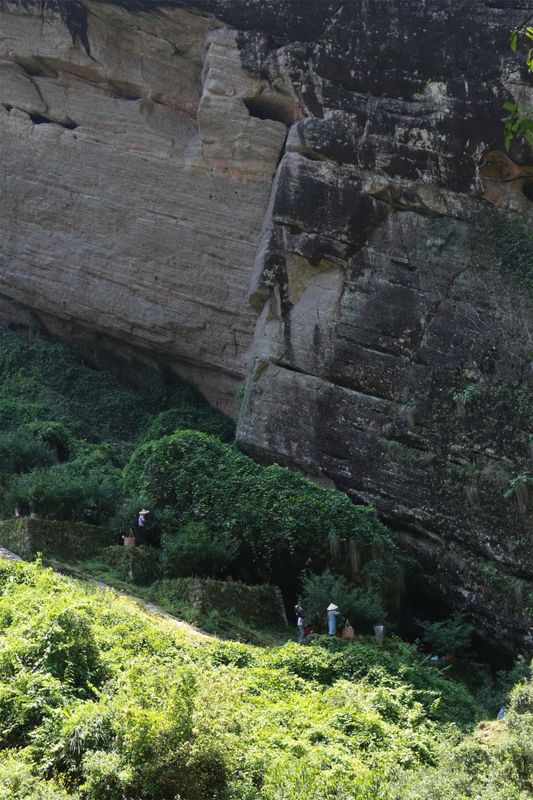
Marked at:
<point>141,526</point>
<point>333,613</point>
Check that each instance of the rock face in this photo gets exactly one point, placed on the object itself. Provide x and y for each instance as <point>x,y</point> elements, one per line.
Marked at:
<point>135,183</point>
<point>341,161</point>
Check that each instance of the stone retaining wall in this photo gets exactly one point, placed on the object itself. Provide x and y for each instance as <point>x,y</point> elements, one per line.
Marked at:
<point>27,537</point>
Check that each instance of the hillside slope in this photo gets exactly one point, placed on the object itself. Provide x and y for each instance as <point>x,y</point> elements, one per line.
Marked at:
<point>99,699</point>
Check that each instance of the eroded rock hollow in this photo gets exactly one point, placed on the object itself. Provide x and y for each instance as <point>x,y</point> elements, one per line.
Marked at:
<point>311,199</point>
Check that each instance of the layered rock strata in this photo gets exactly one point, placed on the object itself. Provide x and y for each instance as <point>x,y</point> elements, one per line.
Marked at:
<point>135,182</point>
<point>342,162</point>
<point>392,352</point>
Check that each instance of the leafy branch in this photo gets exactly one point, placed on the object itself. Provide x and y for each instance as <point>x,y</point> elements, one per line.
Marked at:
<point>519,121</point>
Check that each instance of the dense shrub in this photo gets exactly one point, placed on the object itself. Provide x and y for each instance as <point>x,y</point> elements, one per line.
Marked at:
<point>68,429</point>
<point>257,606</point>
<point>54,435</point>
<point>19,782</point>
<point>56,640</point>
<point>195,550</point>
<point>521,698</point>
<point>492,693</point>
<point>28,537</point>
<point>26,699</point>
<point>280,519</point>
<point>20,451</point>
<point>189,415</point>
<point>392,664</point>
<point>49,382</point>
<point>451,635</point>
<point>360,606</point>
<point>66,491</point>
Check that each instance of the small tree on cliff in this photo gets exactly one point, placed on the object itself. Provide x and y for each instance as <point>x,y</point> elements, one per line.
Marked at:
<point>519,122</point>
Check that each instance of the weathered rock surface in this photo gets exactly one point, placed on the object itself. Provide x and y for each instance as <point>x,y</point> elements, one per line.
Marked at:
<point>387,277</point>
<point>392,355</point>
<point>135,184</point>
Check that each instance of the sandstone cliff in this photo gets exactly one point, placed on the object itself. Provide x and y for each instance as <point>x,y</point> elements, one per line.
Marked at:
<point>135,182</point>
<point>180,177</point>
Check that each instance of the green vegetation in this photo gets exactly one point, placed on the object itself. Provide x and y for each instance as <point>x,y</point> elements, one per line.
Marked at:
<point>142,565</point>
<point>231,610</point>
<point>511,249</point>
<point>278,520</point>
<point>522,480</point>
<point>405,454</point>
<point>81,445</point>
<point>68,430</point>
<point>72,540</point>
<point>258,606</point>
<point>493,435</point>
<point>99,700</point>
<point>519,122</point>
<point>451,636</point>
<point>361,606</point>
<point>468,394</point>
<point>197,550</point>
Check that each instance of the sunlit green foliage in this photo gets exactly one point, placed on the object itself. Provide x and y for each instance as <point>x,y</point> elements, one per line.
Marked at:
<point>98,700</point>
<point>280,519</point>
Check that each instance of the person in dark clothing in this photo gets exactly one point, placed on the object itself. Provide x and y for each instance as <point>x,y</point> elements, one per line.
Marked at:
<point>92,515</point>
<point>298,610</point>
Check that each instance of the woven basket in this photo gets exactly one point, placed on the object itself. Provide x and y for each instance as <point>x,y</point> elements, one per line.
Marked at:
<point>348,632</point>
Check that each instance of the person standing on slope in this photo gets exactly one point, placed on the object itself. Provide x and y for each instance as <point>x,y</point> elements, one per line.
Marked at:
<point>333,613</point>
<point>298,610</point>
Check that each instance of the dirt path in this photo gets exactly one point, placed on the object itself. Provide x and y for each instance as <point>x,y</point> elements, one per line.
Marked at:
<point>9,555</point>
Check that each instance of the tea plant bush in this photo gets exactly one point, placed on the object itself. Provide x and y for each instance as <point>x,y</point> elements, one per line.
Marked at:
<point>196,551</point>
<point>142,564</point>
